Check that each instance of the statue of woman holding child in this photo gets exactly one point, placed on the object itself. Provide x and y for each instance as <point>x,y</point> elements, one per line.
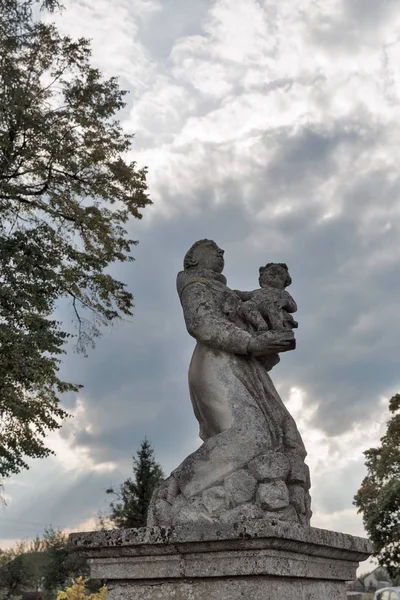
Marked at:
<point>251,463</point>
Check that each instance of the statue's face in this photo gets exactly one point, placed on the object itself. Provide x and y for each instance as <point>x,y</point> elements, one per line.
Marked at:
<point>211,257</point>
<point>274,277</point>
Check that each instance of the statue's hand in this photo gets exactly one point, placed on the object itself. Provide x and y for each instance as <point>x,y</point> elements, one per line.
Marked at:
<point>270,342</point>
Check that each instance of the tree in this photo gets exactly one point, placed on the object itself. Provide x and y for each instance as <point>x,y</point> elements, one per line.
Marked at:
<point>26,570</point>
<point>45,563</point>
<point>378,498</point>
<point>21,566</point>
<point>4,595</point>
<point>61,566</point>
<point>67,191</point>
<point>19,548</point>
<point>133,497</point>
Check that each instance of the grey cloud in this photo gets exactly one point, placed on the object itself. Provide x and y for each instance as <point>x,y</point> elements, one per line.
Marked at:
<point>356,27</point>
<point>341,369</point>
<point>171,22</point>
<point>335,492</point>
<point>368,12</point>
<point>61,499</point>
<point>309,154</point>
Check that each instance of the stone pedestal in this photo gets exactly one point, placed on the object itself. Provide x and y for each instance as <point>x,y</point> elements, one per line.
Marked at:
<point>255,560</point>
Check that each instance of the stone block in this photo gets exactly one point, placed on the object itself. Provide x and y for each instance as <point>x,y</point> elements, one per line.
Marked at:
<point>272,496</point>
<point>215,500</point>
<point>270,466</point>
<point>234,588</point>
<point>241,486</point>
<point>287,514</point>
<point>253,560</point>
<point>177,506</point>
<point>161,510</point>
<point>191,512</point>
<point>299,472</point>
<point>244,512</point>
<point>297,497</point>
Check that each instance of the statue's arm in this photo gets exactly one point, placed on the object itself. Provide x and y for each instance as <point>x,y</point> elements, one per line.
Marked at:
<point>289,303</point>
<point>207,325</point>
<point>244,296</point>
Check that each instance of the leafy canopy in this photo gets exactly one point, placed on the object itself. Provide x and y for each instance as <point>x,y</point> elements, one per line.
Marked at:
<point>61,565</point>
<point>45,564</point>
<point>378,498</point>
<point>133,497</point>
<point>67,191</point>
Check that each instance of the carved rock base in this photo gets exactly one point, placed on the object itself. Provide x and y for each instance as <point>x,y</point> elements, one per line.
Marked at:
<point>252,560</point>
<point>273,486</point>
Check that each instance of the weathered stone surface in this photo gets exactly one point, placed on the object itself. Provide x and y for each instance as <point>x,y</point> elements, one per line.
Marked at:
<point>270,306</point>
<point>192,511</point>
<point>160,509</point>
<point>215,500</point>
<point>272,496</point>
<point>161,512</point>
<point>307,501</point>
<point>220,455</point>
<point>190,514</point>
<point>244,512</point>
<point>320,541</point>
<point>259,588</point>
<point>238,408</point>
<point>299,471</point>
<point>241,486</point>
<point>252,560</point>
<point>177,506</point>
<point>270,466</point>
<point>297,498</point>
<point>287,514</point>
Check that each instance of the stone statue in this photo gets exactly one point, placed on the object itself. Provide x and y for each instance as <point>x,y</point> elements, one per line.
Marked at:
<point>232,520</point>
<point>271,305</point>
<point>251,463</point>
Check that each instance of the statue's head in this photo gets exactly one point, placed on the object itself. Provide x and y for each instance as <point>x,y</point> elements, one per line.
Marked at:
<point>204,254</point>
<point>275,275</point>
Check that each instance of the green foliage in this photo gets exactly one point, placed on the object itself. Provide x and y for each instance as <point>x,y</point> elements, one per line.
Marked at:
<point>21,547</point>
<point>4,595</point>
<point>378,498</point>
<point>61,565</point>
<point>24,571</point>
<point>79,591</point>
<point>66,194</point>
<point>45,563</point>
<point>133,497</point>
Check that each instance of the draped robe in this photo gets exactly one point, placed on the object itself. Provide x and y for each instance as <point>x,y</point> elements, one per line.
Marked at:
<point>234,400</point>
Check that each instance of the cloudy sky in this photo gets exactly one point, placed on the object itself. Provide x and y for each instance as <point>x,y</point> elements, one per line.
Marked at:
<point>273,128</point>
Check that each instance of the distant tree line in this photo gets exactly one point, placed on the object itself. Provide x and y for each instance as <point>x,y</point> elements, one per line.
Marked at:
<point>47,564</point>
<point>44,564</point>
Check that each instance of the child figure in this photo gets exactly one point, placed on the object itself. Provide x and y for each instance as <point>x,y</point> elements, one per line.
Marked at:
<point>269,307</point>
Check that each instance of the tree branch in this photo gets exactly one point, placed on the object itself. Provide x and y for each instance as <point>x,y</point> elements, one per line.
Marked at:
<point>39,206</point>
<point>73,176</point>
